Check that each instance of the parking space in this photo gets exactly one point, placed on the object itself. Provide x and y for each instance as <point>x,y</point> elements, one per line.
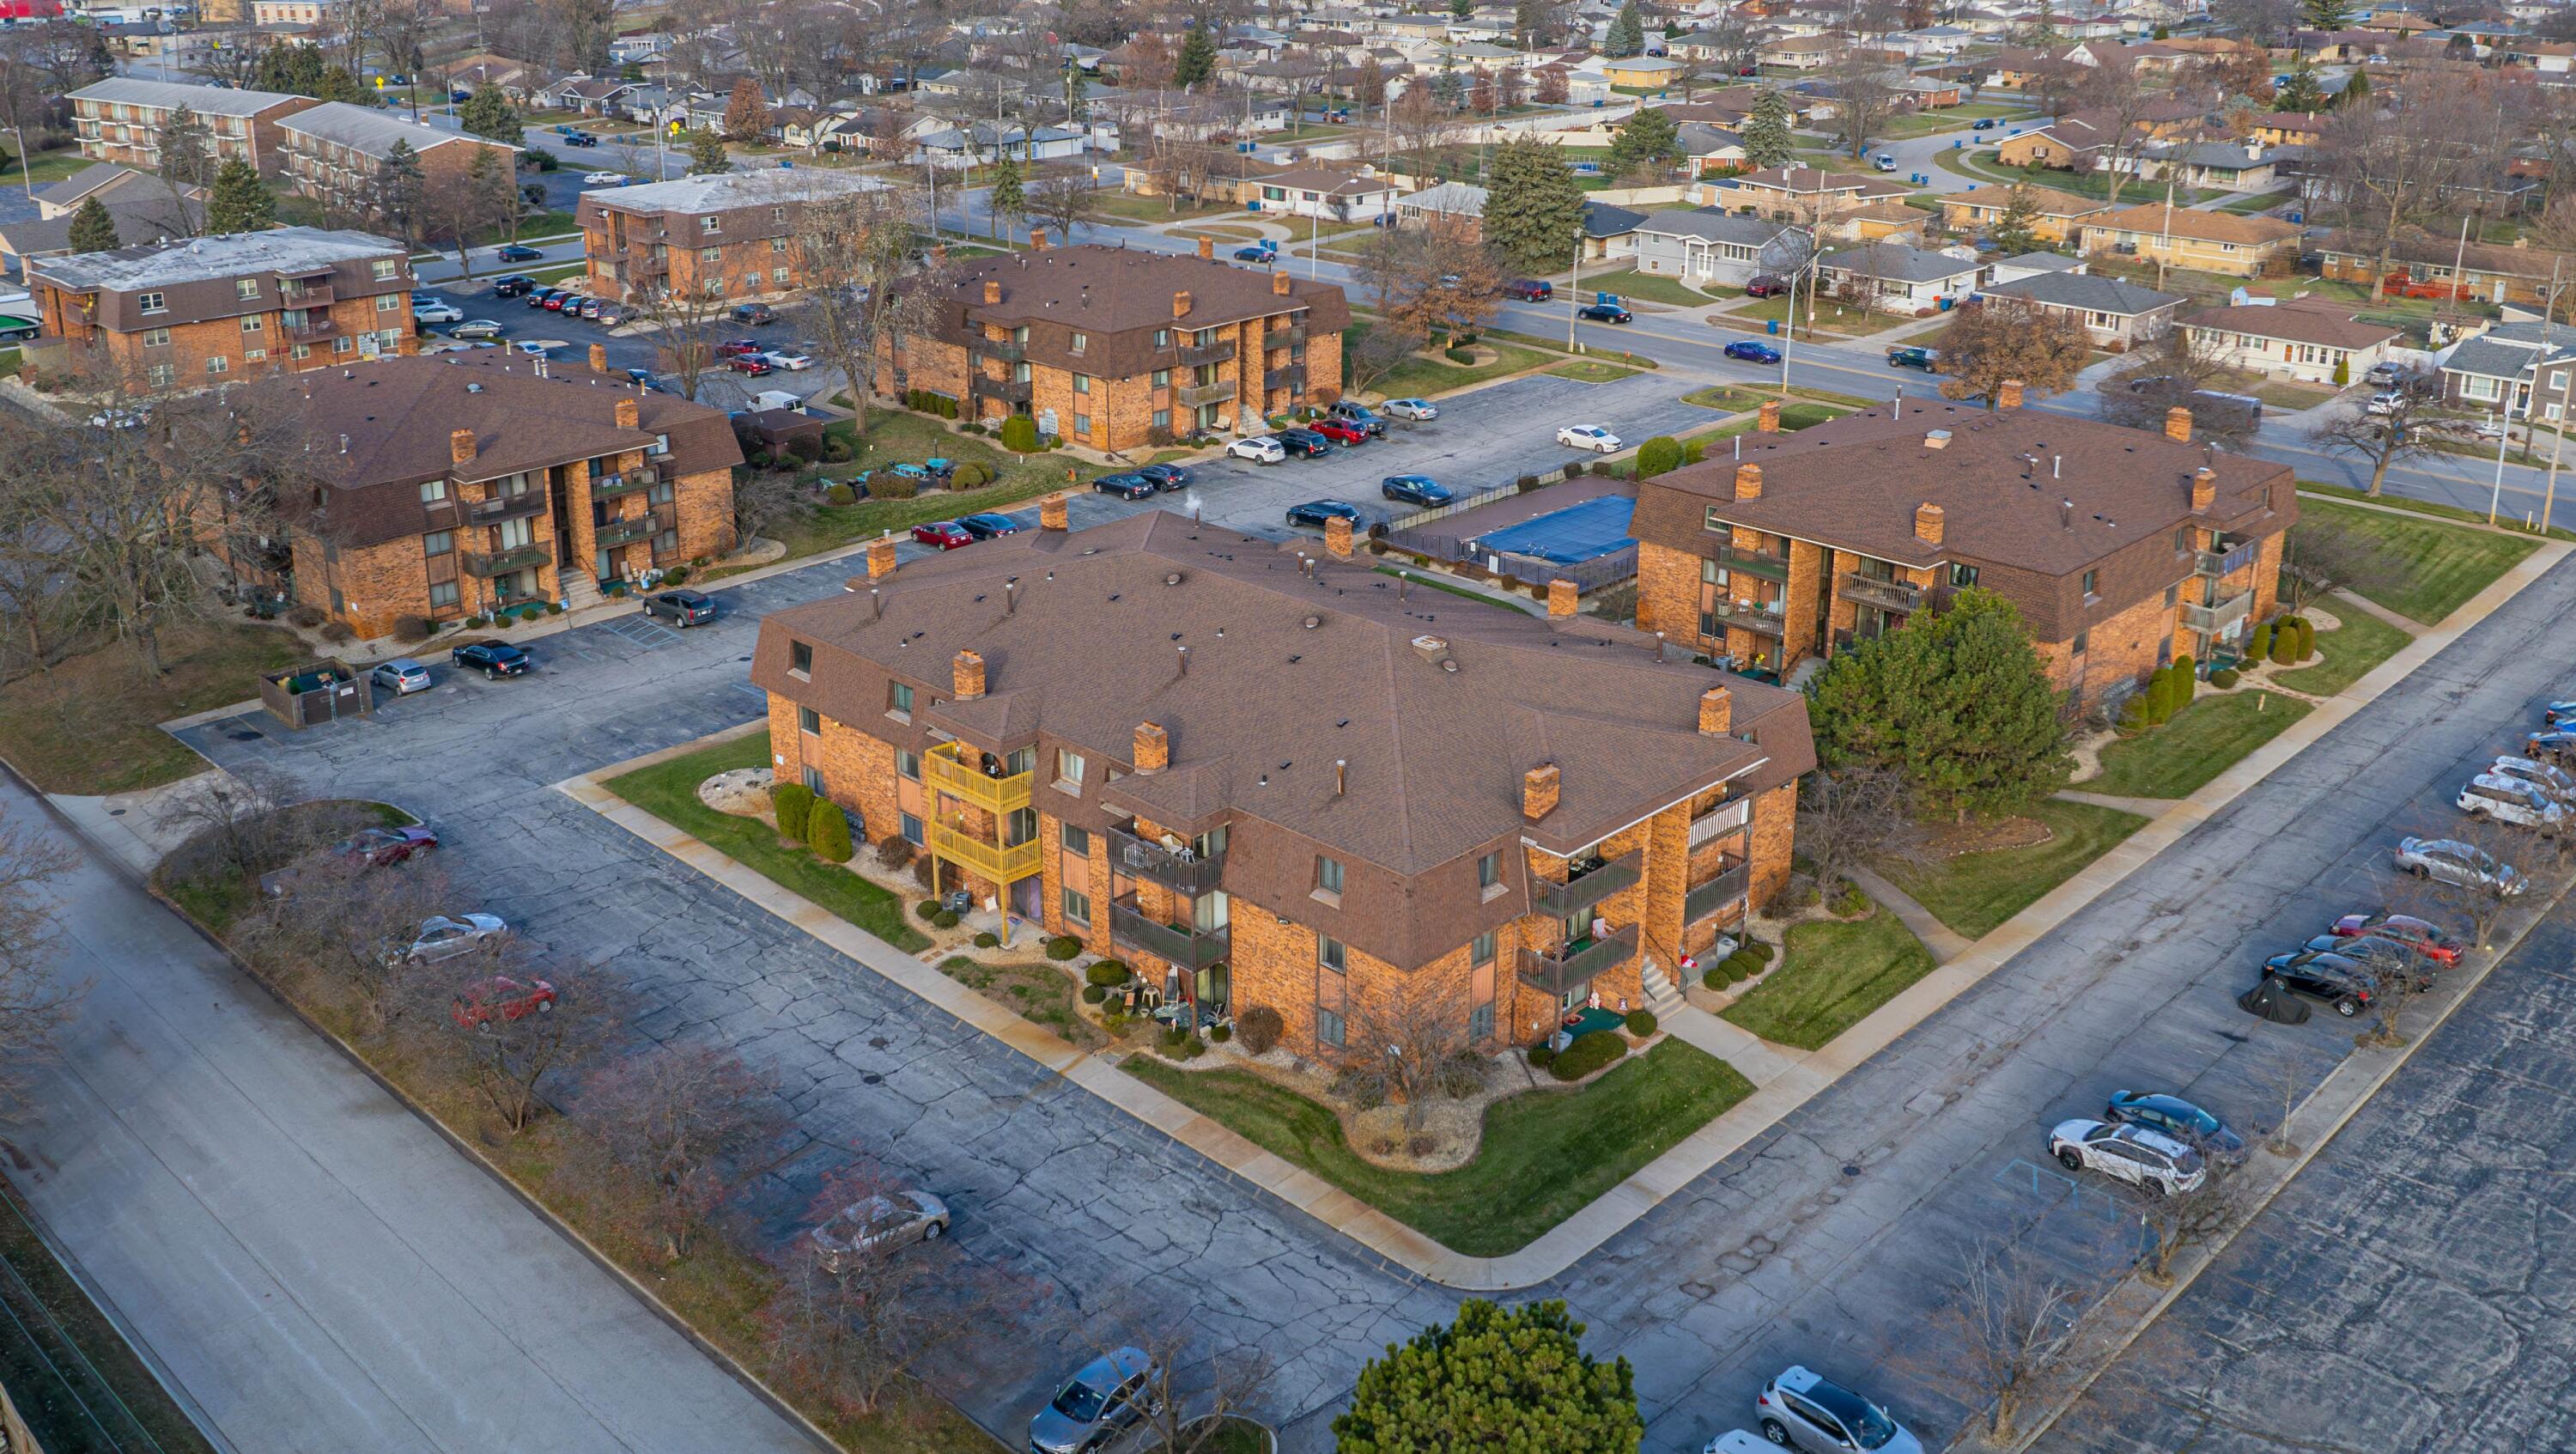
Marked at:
<point>644,631</point>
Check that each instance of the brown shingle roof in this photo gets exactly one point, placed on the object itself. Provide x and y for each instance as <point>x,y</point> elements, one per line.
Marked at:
<point>2157,218</point>
<point>2297,322</point>
<point>1118,297</point>
<point>2051,202</point>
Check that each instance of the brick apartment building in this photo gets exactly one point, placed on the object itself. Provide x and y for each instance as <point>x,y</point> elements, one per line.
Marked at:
<point>1265,779</point>
<point>182,314</point>
<point>2123,548</point>
<point>724,235</point>
<point>465,483</point>
<point>120,120</point>
<point>335,152</point>
<point>1105,346</point>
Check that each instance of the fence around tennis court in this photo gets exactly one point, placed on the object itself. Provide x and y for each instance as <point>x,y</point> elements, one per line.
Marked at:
<point>1406,533</point>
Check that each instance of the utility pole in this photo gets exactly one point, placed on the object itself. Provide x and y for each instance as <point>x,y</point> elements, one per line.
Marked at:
<point>2557,438</point>
<point>1573,287</point>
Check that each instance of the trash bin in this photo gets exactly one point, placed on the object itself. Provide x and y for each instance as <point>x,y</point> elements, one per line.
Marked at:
<point>1771,326</point>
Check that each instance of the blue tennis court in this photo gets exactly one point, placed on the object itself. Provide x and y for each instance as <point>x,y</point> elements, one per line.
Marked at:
<point>1577,533</point>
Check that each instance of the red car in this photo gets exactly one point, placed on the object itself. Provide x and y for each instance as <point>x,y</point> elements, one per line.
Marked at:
<point>945,534</point>
<point>500,997</point>
<point>564,303</point>
<point>748,363</point>
<point>2425,939</point>
<point>732,346</point>
<point>1340,431</point>
<point>377,847</point>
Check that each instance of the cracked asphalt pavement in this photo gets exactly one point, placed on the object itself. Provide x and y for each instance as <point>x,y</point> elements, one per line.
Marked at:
<point>1829,1240</point>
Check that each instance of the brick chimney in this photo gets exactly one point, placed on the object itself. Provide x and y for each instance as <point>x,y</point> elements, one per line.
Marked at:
<point>1768,421</point>
<point>992,291</point>
<point>1748,482</point>
<point>2178,424</point>
<point>1037,239</point>
<point>1716,712</point>
<point>2204,488</point>
<point>1153,748</point>
<point>2008,394</point>
<point>1181,304</point>
<point>1207,248</point>
<point>1279,281</point>
<point>1337,537</point>
<point>1538,792</point>
<point>630,412</point>
<point>1928,523</point>
<point>1053,514</point>
<point>599,358</point>
<point>969,667</point>
<point>880,557</point>
<point>460,446</point>
<point>1561,599</point>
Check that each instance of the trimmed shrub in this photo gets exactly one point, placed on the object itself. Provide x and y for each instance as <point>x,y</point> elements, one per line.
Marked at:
<point>1714,978</point>
<point>1641,1023</point>
<point>2133,716</point>
<point>2285,645</point>
<point>1020,434</point>
<point>947,407</point>
<point>945,918</point>
<point>1107,972</point>
<point>2258,642</point>
<point>475,623</point>
<point>337,631</point>
<point>1741,966</point>
<point>1261,1027</point>
<point>1851,903</point>
<point>794,804</point>
<point>841,494</point>
<point>836,450</point>
<point>928,909</point>
<point>1063,947</point>
<point>1587,1055</point>
<point>2307,638</point>
<point>1093,994</point>
<point>988,940</point>
<point>1541,1055</point>
<point>894,852</point>
<point>1458,356</point>
<point>1656,455</point>
<point>307,617</point>
<point>413,628</point>
<point>1695,450</point>
<point>828,831</point>
<point>891,487</point>
<point>675,575</point>
<point>1760,950</point>
<point>2223,678</point>
<point>974,474</point>
<point>758,459</point>
<point>1220,1032</point>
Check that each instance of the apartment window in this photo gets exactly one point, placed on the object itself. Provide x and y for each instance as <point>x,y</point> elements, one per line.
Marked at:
<point>778,244</point>
<point>433,492</point>
<point>661,445</point>
<point>1480,950</point>
<point>911,829</point>
<point>800,658</point>
<point>899,698</point>
<point>1077,908</point>
<point>1332,954</point>
<point>1162,378</point>
<point>384,268</point>
<point>712,255</point>
<point>216,364</point>
<point>907,764</point>
<point>1162,419</point>
<point>1077,841</point>
<point>343,344</point>
<point>1068,769</point>
<point>1082,383</point>
<point>2172,595</point>
<point>156,338</point>
<point>778,214</point>
<point>2083,640</point>
<point>1328,1026</point>
<point>778,277</point>
<point>150,303</point>
<point>1082,425</point>
<point>246,287</point>
<point>2092,578</point>
<point>2182,540</point>
<point>252,323</point>
<point>442,595</point>
<point>438,542</point>
<point>1489,872</point>
<point>1962,576</point>
<point>1162,338</point>
<point>1480,1022</point>
<point>388,302</point>
<point>161,376</point>
<point>710,225</point>
<point>810,721</point>
<point>1328,876</point>
<point>253,355</point>
<point>1081,341</point>
<point>303,350</point>
<point>1708,521</point>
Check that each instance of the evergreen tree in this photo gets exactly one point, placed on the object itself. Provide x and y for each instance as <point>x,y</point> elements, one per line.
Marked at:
<point>1956,701</point>
<point>1196,64</point>
<point>487,113</point>
<point>1494,1379</point>
<point>1462,8</point>
<point>295,68</point>
<point>2356,89</point>
<point>187,149</point>
<point>1649,138</point>
<point>339,83</point>
<point>1767,142</point>
<point>1006,197</point>
<point>1533,206</point>
<point>93,230</point>
<point>2042,30</point>
<point>2015,229</point>
<point>401,189</point>
<point>241,202</point>
<point>707,153</point>
<point>2326,15</point>
<point>2303,93</point>
<point>1627,34</point>
<point>1529,17</point>
<point>495,189</point>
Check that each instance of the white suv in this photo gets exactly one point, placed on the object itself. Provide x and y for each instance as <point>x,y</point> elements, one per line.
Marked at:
<point>2548,777</point>
<point>1261,449</point>
<point>2151,1161</point>
<point>2511,800</point>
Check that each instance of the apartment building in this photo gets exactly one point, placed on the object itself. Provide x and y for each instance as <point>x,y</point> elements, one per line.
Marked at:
<point>336,152</point>
<point>120,120</point>
<point>1112,348</point>
<point>724,235</point>
<point>2185,237</point>
<point>182,314</point>
<point>1261,778</point>
<point>2123,548</point>
<point>473,482</point>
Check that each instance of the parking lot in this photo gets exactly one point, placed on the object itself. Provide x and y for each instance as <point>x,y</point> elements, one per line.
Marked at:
<point>573,337</point>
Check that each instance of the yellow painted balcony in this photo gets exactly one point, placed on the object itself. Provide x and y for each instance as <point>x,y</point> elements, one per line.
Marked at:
<point>985,860</point>
<point>969,783</point>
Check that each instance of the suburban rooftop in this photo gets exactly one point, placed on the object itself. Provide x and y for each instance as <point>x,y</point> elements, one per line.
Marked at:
<point>169,95</point>
<point>283,250</point>
<point>725,191</point>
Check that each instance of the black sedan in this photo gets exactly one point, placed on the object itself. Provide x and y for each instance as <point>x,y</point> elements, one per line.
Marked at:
<point>1168,476</point>
<point>682,608</point>
<point>1125,486</point>
<point>495,659</point>
<point>1605,313</point>
<point>1316,512</point>
<point>512,286</point>
<point>518,252</point>
<point>2330,978</point>
<point>988,525</point>
<point>1415,490</point>
<point>1304,442</point>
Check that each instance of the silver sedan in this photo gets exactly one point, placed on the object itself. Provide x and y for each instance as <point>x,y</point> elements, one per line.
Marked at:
<point>442,937</point>
<point>881,1224</point>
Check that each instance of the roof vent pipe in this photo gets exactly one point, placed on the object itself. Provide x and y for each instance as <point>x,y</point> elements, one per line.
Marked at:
<point>1341,775</point>
<point>1185,660</point>
<point>876,604</point>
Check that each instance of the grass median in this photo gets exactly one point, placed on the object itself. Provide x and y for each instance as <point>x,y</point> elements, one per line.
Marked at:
<point>1975,893</point>
<point>2431,567</point>
<point>90,725</point>
<point>2202,741</point>
<point>1837,973</point>
<point>2361,641</point>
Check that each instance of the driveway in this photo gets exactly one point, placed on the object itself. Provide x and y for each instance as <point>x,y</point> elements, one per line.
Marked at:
<point>316,1267</point>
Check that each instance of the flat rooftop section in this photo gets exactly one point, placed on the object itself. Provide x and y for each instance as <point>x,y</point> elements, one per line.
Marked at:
<point>726,191</point>
<point>286,250</point>
<point>170,95</point>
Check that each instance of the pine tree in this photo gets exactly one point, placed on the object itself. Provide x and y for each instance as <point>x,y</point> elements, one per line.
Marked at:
<point>1513,1378</point>
<point>488,113</point>
<point>240,202</point>
<point>340,84</point>
<point>2326,15</point>
<point>707,153</point>
<point>401,188</point>
<point>1627,34</point>
<point>2015,229</point>
<point>2042,30</point>
<point>1461,9</point>
<point>1767,142</point>
<point>2303,93</point>
<point>746,114</point>
<point>93,229</point>
<point>1649,137</point>
<point>1196,64</point>
<point>1533,206</point>
<point>1006,198</point>
<point>187,149</point>
<point>2356,89</point>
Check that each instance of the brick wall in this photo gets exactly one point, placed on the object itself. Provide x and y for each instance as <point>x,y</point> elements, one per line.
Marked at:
<point>1051,884</point>
<point>1667,591</point>
<point>2124,648</point>
<point>1773,825</point>
<point>191,345</point>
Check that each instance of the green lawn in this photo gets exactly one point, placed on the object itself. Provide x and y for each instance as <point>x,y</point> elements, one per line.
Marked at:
<point>1656,288</point>
<point>1038,991</point>
<point>1545,1153</point>
<point>1793,418</point>
<point>74,1379</point>
<point>669,791</point>
<point>2202,741</point>
<point>44,167</point>
<point>1135,207</point>
<point>1976,892</point>
<point>1836,974</point>
<point>897,436</point>
<point>1417,376</point>
<point>2433,568</point>
<point>1730,398</point>
<point>1592,371</point>
<point>88,726</point>
<point>2255,202</point>
<point>1830,317</point>
<point>2432,508</point>
<point>2350,650</point>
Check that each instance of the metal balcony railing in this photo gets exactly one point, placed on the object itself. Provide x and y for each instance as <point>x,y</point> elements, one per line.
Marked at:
<point>1193,948</point>
<point>627,532</point>
<point>1002,348</point>
<point>1179,869</point>
<point>2227,562</point>
<point>2214,619</point>
<point>1761,616</point>
<point>1583,890</point>
<point>1902,597</point>
<point>306,295</point>
<point>1283,337</point>
<point>1755,563</point>
<point>1727,889</point>
<point>312,330</point>
<point>1725,818</point>
<point>943,771</point>
<point>503,562</point>
<point>1196,394</point>
<point>1210,353</point>
<point>997,862</point>
<point>1555,973</point>
<point>506,507</point>
<point>1016,391</point>
<point>1291,377</point>
<point>625,482</point>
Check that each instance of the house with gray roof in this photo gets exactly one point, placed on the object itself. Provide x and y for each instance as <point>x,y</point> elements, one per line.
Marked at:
<point>1707,245</point>
<point>336,151</point>
<point>2505,368</point>
<point>1899,278</point>
<point>2116,314</point>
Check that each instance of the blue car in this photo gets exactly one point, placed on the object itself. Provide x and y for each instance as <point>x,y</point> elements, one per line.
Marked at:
<point>988,525</point>
<point>495,659</point>
<point>1316,512</point>
<point>2177,1118</point>
<point>1752,352</point>
<point>1125,486</point>
<point>1416,490</point>
<point>1169,476</point>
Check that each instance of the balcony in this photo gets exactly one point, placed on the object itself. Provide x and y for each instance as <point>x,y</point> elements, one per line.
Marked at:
<point>625,482</point>
<point>312,330</point>
<point>1762,617</point>
<point>1725,818</point>
<point>2214,619</point>
<point>503,562</point>
<point>968,783</point>
<point>1193,395</point>
<point>647,264</point>
<point>1283,337</point>
<point>1002,348</point>
<point>306,295</point>
<point>1587,887</point>
<point>506,507</point>
<point>1015,391</point>
<point>1723,891</point>
<point>1177,869</point>
<point>1209,353</point>
<point>1556,973</point>
<point>1754,563</point>
<point>1193,949</point>
<point>626,532</point>
<point>1001,865</point>
<point>1902,597</point>
<point>1291,377</point>
<point>2225,563</point>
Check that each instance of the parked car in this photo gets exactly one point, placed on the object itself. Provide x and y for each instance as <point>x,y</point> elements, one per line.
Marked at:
<point>537,297</point>
<point>511,285</point>
<point>476,328</point>
<point>942,534</point>
<point>1766,285</point>
<point>1166,476</point>
<point>2558,713</point>
<point>1257,252</point>
<point>681,608</point>
<point>1416,490</point>
<point>603,179</point>
<point>2178,1118</point>
<point>567,300</point>
<point>2378,958</point>
<point>2550,778</point>
<point>2153,1162</point>
<point>1316,512</point>
<point>609,315</point>
<point>1305,443</point>
<point>401,676</point>
<point>500,998</point>
<point>1529,290</point>
<point>749,363</point>
<point>2511,800</point>
<point>736,347</point>
<point>986,525</point>
<point>2382,374</point>
<point>379,847</point>
<point>2552,746</point>
<point>1125,485</point>
<point>1358,415</point>
<point>1751,352</point>
<point>495,659</point>
<point>2454,862</point>
<point>789,359</point>
<point>580,138</point>
<point>2333,979</point>
<point>1414,409</point>
<point>517,252</point>
<point>442,937</point>
<point>1102,1399</point>
<point>2424,938</point>
<point>1911,356</point>
<point>881,1224</point>
<point>1800,1410</point>
<point>1982,123</point>
<point>436,311</point>
<point>2383,402</point>
<point>1588,436</point>
<point>753,315</point>
<point>1604,313</point>
<point>1260,449</point>
<point>1341,432</point>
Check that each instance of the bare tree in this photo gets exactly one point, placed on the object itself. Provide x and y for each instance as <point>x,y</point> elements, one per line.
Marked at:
<point>2321,553</point>
<point>35,1000</point>
<point>461,208</point>
<point>2000,1337</point>
<point>1063,201</point>
<point>681,1121</point>
<point>2479,903</point>
<point>353,926</point>
<point>1195,1382</point>
<point>2159,378</point>
<point>229,824</point>
<point>2006,340</point>
<point>2403,423</point>
<point>851,250</point>
<point>507,1053</point>
<point>1862,814</point>
<point>1381,349</point>
<point>2386,176</point>
<point>1406,1048</point>
<point>688,326</point>
<point>1426,278</point>
<point>2120,92</point>
<point>2178,1221</point>
<point>1863,86</point>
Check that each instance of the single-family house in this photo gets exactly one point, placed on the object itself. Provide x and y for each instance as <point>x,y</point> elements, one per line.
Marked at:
<point>1711,246</point>
<point>2116,314</point>
<point>1799,194</point>
<point>1898,278</point>
<point>1328,194</point>
<point>2057,217</point>
<point>2301,341</point>
<point>2186,237</point>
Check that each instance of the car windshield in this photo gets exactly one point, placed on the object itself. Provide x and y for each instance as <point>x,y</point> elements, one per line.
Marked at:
<point>1080,1402</point>
<point>1857,1414</point>
<point>2186,1114</point>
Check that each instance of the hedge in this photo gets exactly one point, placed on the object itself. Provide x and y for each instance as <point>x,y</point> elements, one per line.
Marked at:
<point>2258,644</point>
<point>1587,1055</point>
<point>827,830</point>
<point>1542,1055</point>
<point>1106,973</point>
<point>794,804</point>
<point>2223,678</point>
<point>1641,1023</point>
<point>1063,947</point>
